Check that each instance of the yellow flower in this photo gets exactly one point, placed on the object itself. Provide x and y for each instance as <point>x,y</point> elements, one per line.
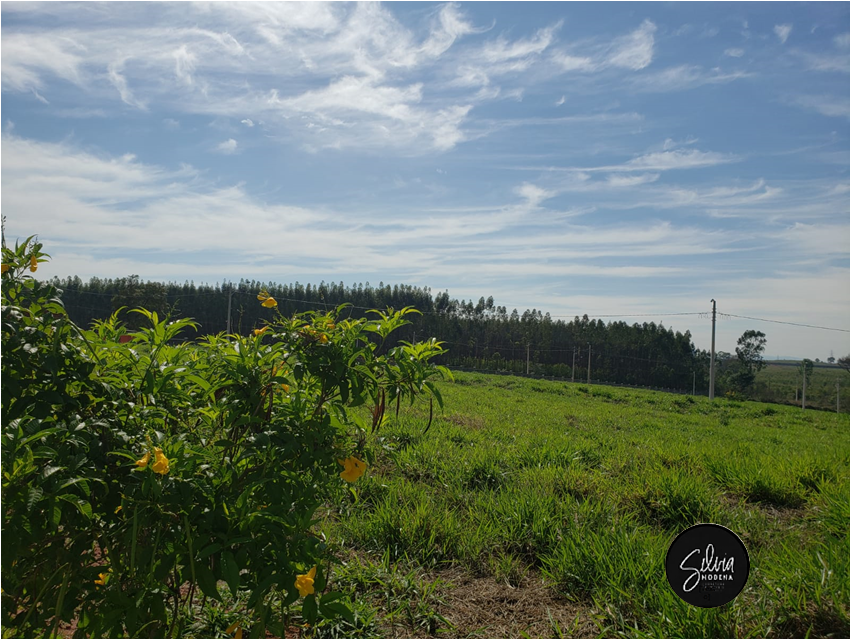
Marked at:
<point>143,462</point>
<point>34,264</point>
<point>5,268</point>
<point>323,338</point>
<point>118,509</point>
<point>305,582</point>
<point>258,331</point>
<point>269,303</point>
<point>330,325</point>
<point>102,579</point>
<point>286,388</point>
<point>353,468</point>
<point>263,295</point>
<point>161,462</point>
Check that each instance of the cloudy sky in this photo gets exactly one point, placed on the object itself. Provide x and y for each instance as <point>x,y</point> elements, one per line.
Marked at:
<point>576,158</point>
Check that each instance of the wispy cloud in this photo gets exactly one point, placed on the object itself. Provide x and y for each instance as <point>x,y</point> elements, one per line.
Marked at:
<point>783,32</point>
<point>824,104</point>
<point>635,50</point>
<point>734,52</point>
<point>684,77</point>
<point>824,62</point>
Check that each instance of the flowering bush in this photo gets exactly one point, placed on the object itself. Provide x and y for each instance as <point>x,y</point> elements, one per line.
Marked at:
<point>141,477</point>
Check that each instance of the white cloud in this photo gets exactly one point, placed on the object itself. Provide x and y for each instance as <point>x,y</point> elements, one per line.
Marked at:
<point>534,194</point>
<point>227,147</point>
<point>684,77</point>
<point>734,52</point>
<point>843,41</point>
<point>114,71</point>
<point>500,50</point>
<point>630,180</point>
<point>783,32</point>
<point>248,122</point>
<point>635,50</point>
<point>560,101</point>
<point>574,63</point>
<point>674,160</point>
<point>185,65</point>
<point>824,104</point>
<point>822,62</point>
<point>27,56</point>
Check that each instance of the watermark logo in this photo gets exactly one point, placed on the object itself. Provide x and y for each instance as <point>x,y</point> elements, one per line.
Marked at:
<point>707,565</point>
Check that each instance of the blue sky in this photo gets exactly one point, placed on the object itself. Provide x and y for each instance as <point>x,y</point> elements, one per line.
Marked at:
<point>601,158</point>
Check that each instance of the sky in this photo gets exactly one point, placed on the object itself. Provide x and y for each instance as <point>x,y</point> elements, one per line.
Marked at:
<point>624,159</point>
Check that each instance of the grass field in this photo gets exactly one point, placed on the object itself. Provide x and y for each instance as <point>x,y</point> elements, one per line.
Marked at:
<point>777,383</point>
<point>537,508</point>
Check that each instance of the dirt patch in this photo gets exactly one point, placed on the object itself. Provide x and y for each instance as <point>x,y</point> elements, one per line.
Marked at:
<point>465,421</point>
<point>484,608</point>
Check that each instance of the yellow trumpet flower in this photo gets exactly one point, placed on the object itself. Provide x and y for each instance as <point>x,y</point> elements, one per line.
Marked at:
<point>353,468</point>
<point>161,462</point>
<point>305,582</point>
<point>269,303</point>
<point>143,461</point>
<point>102,580</point>
<point>34,264</point>
<point>258,331</point>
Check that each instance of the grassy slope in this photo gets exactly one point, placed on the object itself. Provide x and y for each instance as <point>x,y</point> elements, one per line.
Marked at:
<point>585,487</point>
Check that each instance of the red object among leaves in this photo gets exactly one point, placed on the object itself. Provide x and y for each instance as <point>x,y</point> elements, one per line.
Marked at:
<point>124,339</point>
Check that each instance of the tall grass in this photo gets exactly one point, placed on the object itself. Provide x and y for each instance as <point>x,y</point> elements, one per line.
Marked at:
<point>587,487</point>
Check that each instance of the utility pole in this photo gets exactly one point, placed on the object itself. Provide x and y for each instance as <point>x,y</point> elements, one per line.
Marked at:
<point>694,388</point>
<point>589,354</point>
<point>528,359</point>
<point>573,363</point>
<point>228,321</point>
<point>712,364</point>
<point>804,393</point>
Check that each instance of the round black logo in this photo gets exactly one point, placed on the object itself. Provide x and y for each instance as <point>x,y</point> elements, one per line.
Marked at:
<point>707,565</point>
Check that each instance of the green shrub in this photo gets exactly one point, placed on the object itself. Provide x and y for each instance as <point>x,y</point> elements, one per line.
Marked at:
<point>140,474</point>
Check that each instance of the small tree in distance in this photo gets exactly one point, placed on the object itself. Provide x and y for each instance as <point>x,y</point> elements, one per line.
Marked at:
<point>749,349</point>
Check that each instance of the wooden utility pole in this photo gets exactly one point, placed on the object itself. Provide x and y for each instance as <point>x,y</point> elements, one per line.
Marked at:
<point>712,364</point>
<point>804,392</point>
<point>837,392</point>
<point>528,360</point>
<point>573,364</point>
<point>228,321</point>
<point>589,353</point>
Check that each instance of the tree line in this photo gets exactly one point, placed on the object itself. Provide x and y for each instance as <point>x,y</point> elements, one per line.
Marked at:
<point>477,335</point>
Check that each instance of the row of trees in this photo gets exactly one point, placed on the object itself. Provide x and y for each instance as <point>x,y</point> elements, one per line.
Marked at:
<point>477,335</point>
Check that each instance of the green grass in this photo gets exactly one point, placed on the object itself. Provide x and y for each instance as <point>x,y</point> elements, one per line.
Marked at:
<point>586,487</point>
<point>777,382</point>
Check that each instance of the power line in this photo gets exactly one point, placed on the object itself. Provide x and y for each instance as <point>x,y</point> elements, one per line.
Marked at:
<point>776,321</point>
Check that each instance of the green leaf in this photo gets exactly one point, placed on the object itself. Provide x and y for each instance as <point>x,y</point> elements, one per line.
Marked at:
<point>33,496</point>
<point>207,582</point>
<point>209,550</point>
<point>330,609</point>
<point>230,572</point>
<point>330,597</point>
<point>309,609</point>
